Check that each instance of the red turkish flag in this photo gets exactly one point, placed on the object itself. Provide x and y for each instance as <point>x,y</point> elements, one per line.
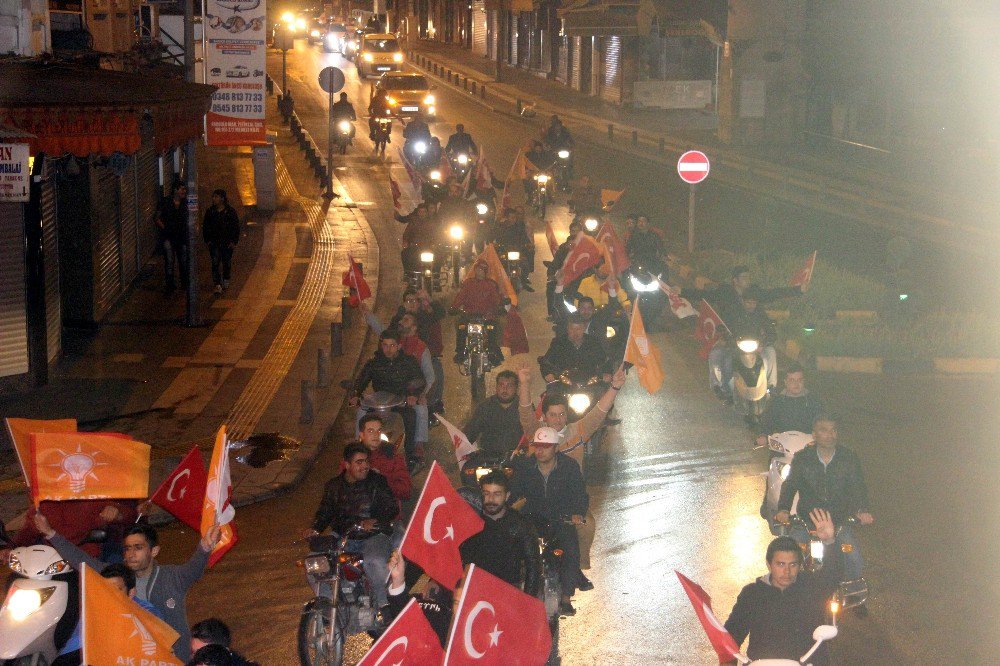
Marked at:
<point>550,236</point>
<point>441,521</point>
<point>514,335</point>
<point>409,641</point>
<point>182,493</point>
<point>722,641</point>
<point>416,180</point>
<point>354,278</point>
<point>708,329</point>
<point>609,237</point>
<point>497,624</point>
<point>585,254</point>
<point>804,275</point>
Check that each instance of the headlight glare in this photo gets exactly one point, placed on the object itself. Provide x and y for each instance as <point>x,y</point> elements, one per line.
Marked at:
<point>368,57</point>
<point>397,57</point>
<point>344,126</point>
<point>456,231</point>
<point>564,154</point>
<point>427,257</point>
<point>317,565</point>
<point>579,402</point>
<point>748,346</point>
<point>435,175</point>
<point>482,208</point>
<point>476,329</point>
<point>513,255</point>
<point>22,603</point>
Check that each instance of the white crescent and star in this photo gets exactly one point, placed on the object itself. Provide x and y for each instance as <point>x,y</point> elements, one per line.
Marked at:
<point>402,640</point>
<point>186,472</point>
<point>467,634</point>
<point>449,532</point>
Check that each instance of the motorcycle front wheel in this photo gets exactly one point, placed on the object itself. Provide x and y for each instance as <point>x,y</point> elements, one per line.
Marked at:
<point>477,378</point>
<point>315,646</point>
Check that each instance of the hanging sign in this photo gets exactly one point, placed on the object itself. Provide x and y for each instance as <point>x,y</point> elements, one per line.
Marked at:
<point>15,174</point>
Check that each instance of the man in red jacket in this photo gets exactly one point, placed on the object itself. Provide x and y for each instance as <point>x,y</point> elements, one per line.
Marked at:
<point>384,459</point>
<point>479,296</point>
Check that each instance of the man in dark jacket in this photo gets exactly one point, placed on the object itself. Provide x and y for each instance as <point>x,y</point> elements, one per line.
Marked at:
<point>754,322</point>
<point>554,494</point>
<point>165,586</point>
<point>827,476</point>
<point>495,422</point>
<point>779,611</point>
<point>172,232</point>
<point>392,371</point>
<point>359,497</point>
<point>429,315</point>
<point>581,354</point>
<point>795,408</point>
<point>507,546</point>
<point>221,230</point>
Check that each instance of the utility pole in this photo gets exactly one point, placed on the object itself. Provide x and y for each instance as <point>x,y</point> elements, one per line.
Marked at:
<point>192,315</point>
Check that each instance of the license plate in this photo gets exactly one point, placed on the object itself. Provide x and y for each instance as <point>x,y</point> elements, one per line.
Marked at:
<point>383,69</point>
<point>411,108</point>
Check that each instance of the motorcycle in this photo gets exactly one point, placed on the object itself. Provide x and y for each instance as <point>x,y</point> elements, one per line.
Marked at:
<point>781,447</point>
<point>423,273</point>
<point>344,135</point>
<point>484,221</point>
<point>44,588</point>
<point>382,131</point>
<point>823,632</point>
<point>343,604</point>
<point>749,380</point>
<point>511,260</point>
<point>582,394</point>
<point>477,358</point>
<point>643,287</point>
<point>418,152</point>
<point>457,249</point>
<point>461,164</point>
<point>480,463</point>
<point>540,196</point>
<point>564,169</point>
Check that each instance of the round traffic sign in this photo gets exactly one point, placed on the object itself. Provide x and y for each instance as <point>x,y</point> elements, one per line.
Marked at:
<point>693,166</point>
<point>331,79</point>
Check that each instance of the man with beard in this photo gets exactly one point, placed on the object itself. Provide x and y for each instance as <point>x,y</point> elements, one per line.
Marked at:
<point>508,543</point>
<point>495,422</point>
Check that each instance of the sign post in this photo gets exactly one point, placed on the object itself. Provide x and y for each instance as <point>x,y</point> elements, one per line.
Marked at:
<point>693,168</point>
<point>332,80</point>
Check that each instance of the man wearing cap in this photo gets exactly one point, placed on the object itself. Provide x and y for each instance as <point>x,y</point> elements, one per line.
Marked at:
<point>552,487</point>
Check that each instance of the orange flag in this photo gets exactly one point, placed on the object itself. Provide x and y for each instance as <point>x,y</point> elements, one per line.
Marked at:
<point>20,434</point>
<point>87,465</point>
<point>609,198</point>
<point>116,630</point>
<point>217,508</point>
<point>643,354</point>
<point>495,273</point>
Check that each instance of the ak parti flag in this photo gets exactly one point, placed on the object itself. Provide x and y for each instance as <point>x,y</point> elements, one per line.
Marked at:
<point>550,237</point>
<point>409,641</point>
<point>586,253</point>
<point>608,237</point>
<point>116,630</point>
<point>514,336</point>
<point>804,275</point>
<point>354,279</point>
<point>441,521</point>
<point>643,354</point>
<point>20,435</point>
<point>460,443</point>
<point>87,465</point>
<point>722,641</point>
<point>496,272</point>
<point>609,198</point>
<point>497,624</point>
<point>708,330</point>
<point>182,493</point>
<point>217,507</point>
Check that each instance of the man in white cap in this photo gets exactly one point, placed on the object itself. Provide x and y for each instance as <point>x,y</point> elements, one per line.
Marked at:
<point>551,484</point>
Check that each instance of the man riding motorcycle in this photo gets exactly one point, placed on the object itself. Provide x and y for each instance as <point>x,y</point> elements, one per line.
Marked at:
<point>556,136</point>
<point>378,107</point>
<point>479,295</point>
<point>460,142</point>
<point>554,304</point>
<point>645,248</point>
<point>795,408</point>
<point>753,322</point>
<point>576,351</point>
<point>510,232</point>
<point>343,110</point>
<point>421,233</point>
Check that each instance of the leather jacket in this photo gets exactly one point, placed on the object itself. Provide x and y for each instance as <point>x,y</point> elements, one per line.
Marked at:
<point>589,360</point>
<point>503,546</point>
<point>400,375</point>
<point>839,487</point>
<point>345,504</point>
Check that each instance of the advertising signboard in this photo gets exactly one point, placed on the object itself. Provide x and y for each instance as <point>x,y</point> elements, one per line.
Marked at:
<point>235,59</point>
<point>15,179</point>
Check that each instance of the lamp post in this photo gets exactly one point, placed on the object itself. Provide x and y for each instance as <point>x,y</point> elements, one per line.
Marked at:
<point>192,315</point>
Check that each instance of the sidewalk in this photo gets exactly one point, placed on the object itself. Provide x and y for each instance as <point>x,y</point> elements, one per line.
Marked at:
<point>145,374</point>
<point>900,203</point>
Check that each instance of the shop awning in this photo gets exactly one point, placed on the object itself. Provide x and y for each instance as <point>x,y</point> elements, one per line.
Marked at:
<point>83,111</point>
<point>606,19</point>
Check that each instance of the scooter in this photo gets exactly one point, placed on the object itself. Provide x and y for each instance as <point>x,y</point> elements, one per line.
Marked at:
<point>749,380</point>
<point>781,447</point>
<point>382,132</point>
<point>344,136</point>
<point>40,595</point>
<point>823,632</point>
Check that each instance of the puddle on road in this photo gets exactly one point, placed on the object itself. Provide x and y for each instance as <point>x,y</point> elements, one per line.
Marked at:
<point>260,449</point>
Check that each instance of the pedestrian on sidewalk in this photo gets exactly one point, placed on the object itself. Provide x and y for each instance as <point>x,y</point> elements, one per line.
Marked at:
<point>221,230</point>
<point>171,224</point>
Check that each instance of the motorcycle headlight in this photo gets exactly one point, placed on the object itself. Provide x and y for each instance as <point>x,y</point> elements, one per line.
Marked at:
<point>429,100</point>
<point>785,470</point>
<point>610,332</point>
<point>288,17</point>
<point>314,34</point>
<point>317,565</point>
<point>482,208</point>
<point>22,603</point>
<point>56,568</point>
<point>476,329</point>
<point>368,57</point>
<point>564,154</point>
<point>748,346</point>
<point>456,231</point>
<point>427,257</point>
<point>639,285</point>
<point>542,178</point>
<point>579,402</point>
<point>481,472</point>
<point>420,147</point>
<point>331,39</point>
<point>513,255</point>
<point>462,159</point>
<point>391,101</point>
<point>344,126</point>
<point>816,550</point>
<point>397,57</point>
<point>590,224</point>
<point>435,175</point>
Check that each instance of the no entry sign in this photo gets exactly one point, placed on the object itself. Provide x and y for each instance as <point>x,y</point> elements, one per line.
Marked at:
<point>692,167</point>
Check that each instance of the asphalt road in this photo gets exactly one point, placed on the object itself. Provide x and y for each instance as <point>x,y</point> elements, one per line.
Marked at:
<point>683,488</point>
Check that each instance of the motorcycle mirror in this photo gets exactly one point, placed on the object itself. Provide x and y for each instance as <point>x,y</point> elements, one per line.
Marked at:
<point>824,632</point>
<point>96,536</point>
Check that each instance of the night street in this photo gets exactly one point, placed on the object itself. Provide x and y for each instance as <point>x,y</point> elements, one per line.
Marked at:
<point>686,497</point>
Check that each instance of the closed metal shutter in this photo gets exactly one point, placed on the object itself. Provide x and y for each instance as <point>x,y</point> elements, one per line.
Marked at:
<point>13,319</point>
<point>129,229</point>
<point>523,39</point>
<point>576,63</point>
<point>611,83</point>
<point>562,68</point>
<point>493,30</point>
<point>50,254</point>
<point>479,27</point>
<point>147,198</point>
<point>108,267</point>
<point>512,38</point>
